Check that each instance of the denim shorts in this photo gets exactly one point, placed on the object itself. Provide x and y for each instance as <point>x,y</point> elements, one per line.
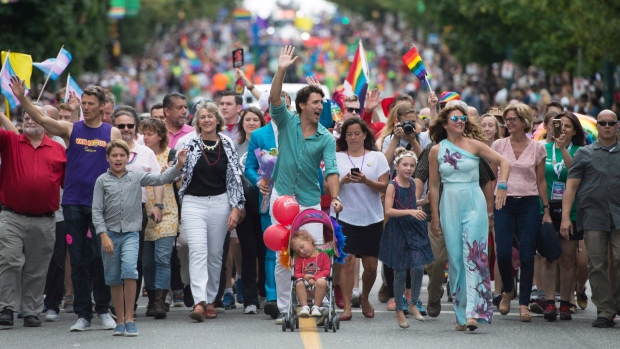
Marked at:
<point>123,263</point>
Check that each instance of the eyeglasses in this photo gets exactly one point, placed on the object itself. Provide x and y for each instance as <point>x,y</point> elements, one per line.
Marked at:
<point>605,123</point>
<point>456,118</point>
<point>351,110</point>
<point>122,126</point>
<point>510,120</point>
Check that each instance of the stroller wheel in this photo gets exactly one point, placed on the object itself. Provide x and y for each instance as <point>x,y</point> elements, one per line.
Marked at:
<point>334,327</point>
<point>338,323</point>
<point>292,325</point>
<point>331,323</point>
<point>326,325</point>
<point>296,322</point>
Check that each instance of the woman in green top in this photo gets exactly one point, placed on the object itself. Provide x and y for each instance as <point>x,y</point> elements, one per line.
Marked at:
<point>560,154</point>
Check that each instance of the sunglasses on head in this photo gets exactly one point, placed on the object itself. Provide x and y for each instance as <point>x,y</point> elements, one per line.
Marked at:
<point>122,126</point>
<point>605,123</point>
<point>351,110</point>
<point>456,118</point>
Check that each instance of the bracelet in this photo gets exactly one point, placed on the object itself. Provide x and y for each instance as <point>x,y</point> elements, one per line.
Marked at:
<point>250,88</point>
<point>502,186</point>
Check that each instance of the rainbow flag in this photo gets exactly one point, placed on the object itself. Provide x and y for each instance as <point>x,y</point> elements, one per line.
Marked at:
<point>413,61</point>
<point>242,14</point>
<point>356,82</point>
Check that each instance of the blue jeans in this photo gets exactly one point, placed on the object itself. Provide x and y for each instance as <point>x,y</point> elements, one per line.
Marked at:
<point>156,263</point>
<point>121,263</point>
<point>86,263</point>
<point>520,217</point>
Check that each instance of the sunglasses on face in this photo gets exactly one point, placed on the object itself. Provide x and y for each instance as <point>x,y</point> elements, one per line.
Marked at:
<point>351,110</point>
<point>456,118</point>
<point>605,123</point>
<point>122,126</point>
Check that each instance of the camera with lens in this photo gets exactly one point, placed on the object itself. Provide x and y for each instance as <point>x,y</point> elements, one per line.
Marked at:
<point>408,126</point>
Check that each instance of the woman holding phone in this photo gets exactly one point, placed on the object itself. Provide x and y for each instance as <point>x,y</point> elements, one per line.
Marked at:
<point>363,177</point>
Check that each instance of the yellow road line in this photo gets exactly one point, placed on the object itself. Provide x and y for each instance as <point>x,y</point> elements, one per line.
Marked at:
<point>309,334</point>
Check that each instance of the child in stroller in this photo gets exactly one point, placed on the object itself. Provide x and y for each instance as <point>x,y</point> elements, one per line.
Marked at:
<point>312,269</point>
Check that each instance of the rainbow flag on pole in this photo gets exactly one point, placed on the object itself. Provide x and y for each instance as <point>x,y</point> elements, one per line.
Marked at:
<point>357,80</point>
<point>413,61</point>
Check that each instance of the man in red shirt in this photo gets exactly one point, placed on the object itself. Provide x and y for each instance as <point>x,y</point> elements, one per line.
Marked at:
<point>33,169</point>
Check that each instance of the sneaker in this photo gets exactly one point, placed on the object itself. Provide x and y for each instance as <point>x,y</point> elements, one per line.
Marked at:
<point>550,313</point>
<point>572,307</point>
<point>355,298</point>
<point>250,309</point>
<point>177,299</point>
<point>219,306</point>
<point>130,329</point>
<point>20,315</point>
<point>582,299</point>
<point>534,294</point>
<point>602,322</point>
<point>107,321</point>
<point>421,308</point>
<point>316,311</point>
<point>188,298</point>
<point>68,305</point>
<point>271,309</point>
<point>229,301</point>
<point>119,330</point>
<point>239,285</point>
<point>557,296</point>
<point>32,321</point>
<point>280,318</point>
<point>51,316</point>
<point>538,306</point>
<point>81,325</point>
<point>383,294</point>
<point>6,317</point>
<point>565,313</point>
<point>305,311</point>
<point>496,299</point>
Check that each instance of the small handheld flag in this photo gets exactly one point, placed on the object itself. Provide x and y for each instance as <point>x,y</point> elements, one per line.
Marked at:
<point>5,79</point>
<point>357,80</point>
<point>55,66</point>
<point>72,86</point>
<point>413,61</point>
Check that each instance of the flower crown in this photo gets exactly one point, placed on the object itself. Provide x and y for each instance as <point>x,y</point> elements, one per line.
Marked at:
<point>405,154</point>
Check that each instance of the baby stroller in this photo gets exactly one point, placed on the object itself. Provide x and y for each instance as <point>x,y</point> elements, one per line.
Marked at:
<point>333,247</point>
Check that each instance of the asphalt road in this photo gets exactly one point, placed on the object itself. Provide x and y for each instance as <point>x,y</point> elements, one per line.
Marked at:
<point>233,329</point>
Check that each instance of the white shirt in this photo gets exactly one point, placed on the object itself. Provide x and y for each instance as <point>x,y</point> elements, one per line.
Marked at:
<point>142,158</point>
<point>181,142</point>
<point>362,204</point>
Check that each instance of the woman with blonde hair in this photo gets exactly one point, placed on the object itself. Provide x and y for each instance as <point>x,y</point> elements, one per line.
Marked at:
<point>455,161</point>
<point>212,199</point>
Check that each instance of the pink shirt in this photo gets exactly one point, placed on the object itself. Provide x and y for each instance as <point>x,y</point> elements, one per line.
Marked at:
<point>174,137</point>
<point>522,179</point>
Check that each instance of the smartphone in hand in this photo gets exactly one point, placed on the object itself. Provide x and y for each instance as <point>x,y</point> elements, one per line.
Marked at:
<point>557,128</point>
<point>355,170</point>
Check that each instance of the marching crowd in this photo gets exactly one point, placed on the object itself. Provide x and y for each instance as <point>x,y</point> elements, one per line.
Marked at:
<point>121,199</point>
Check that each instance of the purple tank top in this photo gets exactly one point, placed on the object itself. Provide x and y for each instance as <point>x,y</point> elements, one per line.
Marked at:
<point>86,161</point>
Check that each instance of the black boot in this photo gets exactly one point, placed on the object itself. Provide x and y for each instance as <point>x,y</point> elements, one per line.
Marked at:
<point>160,299</point>
<point>150,308</point>
<point>6,317</point>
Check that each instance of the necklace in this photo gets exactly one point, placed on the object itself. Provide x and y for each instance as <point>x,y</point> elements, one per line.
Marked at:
<point>219,152</point>
<point>210,147</point>
<point>351,161</point>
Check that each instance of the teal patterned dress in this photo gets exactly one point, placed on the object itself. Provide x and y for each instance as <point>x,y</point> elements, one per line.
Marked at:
<point>465,227</point>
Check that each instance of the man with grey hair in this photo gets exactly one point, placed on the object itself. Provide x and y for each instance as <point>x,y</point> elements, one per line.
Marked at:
<point>33,166</point>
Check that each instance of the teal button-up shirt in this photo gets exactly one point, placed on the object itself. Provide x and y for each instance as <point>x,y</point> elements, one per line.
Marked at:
<point>299,159</point>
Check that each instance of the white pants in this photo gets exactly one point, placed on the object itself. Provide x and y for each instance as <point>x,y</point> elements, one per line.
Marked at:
<point>283,275</point>
<point>205,222</point>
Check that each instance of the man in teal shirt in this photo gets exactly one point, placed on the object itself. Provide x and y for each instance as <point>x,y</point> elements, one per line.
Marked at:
<point>302,144</point>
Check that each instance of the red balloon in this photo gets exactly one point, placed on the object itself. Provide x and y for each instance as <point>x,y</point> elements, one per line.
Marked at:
<point>274,237</point>
<point>285,209</point>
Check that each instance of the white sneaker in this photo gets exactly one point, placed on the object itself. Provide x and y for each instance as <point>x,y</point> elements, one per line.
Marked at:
<point>80,325</point>
<point>280,318</point>
<point>316,311</point>
<point>305,311</point>
<point>107,321</point>
<point>51,316</point>
<point>250,309</point>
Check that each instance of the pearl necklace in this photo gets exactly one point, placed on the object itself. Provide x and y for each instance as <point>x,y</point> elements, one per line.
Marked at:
<point>210,147</point>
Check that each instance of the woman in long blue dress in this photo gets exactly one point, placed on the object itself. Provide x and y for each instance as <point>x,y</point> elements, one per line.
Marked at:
<point>461,214</point>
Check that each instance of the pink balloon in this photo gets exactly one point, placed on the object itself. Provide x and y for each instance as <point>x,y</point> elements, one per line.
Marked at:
<point>275,236</point>
<point>285,209</point>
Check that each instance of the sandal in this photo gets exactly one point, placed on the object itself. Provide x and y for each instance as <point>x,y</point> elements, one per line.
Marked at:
<point>198,312</point>
<point>210,312</point>
<point>391,305</point>
<point>525,314</point>
<point>472,324</point>
<point>504,304</point>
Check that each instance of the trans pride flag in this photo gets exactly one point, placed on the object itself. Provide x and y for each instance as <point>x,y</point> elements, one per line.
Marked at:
<point>55,66</point>
<point>5,77</point>
<point>73,86</point>
<point>357,79</point>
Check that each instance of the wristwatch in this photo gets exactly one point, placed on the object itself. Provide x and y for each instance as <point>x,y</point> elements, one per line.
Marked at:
<point>336,197</point>
<point>491,215</point>
<point>545,206</point>
<point>161,206</point>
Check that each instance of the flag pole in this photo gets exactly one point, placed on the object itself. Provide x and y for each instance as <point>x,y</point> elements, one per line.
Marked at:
<point>67,87</point>
<point>428,83</point>
<point>7,107</point>
<point>50,73</point>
